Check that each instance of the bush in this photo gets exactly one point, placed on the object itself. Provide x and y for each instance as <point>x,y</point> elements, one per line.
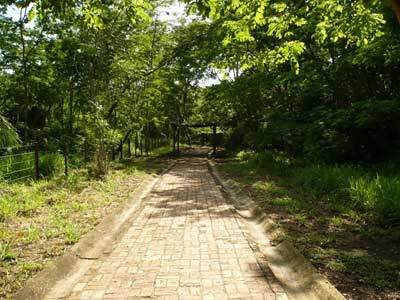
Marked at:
<point>245,155</point>
<point>99,168</point>
<point>51,164</point>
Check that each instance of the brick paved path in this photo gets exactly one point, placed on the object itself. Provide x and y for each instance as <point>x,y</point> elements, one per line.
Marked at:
<point>185,244</point>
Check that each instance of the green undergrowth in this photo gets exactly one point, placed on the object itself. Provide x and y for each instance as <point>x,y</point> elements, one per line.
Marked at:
<point>344,218</point>
<point>22,166</point>
<point>39,220</point>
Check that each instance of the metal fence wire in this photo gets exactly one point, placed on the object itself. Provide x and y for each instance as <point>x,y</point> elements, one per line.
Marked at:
<point>18,166</point>
<point>34,162</point>
<point>28,163</point>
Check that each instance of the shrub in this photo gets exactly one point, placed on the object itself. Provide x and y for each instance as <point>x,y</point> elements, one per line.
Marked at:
<point>272,161</point>
<point>99,167</point>
<point>245,155</point>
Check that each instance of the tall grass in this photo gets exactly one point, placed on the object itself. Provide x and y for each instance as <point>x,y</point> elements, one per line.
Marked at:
<point>51,164</point>
<point>351,186</point>
<point>381,193</point>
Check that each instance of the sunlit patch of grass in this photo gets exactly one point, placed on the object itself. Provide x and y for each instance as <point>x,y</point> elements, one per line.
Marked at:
<point>6,253</point>
<point>31,234</point>
<point>39,220</point>
<point>71,233</point>
<point>31,266</point>
<point>336,221</point>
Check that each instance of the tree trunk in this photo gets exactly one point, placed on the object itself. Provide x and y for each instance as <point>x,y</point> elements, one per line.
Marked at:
<point>112,153</point>
<point>214,139</point>
<point>396,8</point>
<point>141,146</point>
<point>178,140</point>
<point>136,143</point>
<point>174,140</point>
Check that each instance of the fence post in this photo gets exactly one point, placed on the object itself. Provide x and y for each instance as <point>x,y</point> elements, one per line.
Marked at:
<point>37,171</point>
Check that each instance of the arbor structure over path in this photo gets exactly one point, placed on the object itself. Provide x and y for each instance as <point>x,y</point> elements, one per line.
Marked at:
<point>177,130</point>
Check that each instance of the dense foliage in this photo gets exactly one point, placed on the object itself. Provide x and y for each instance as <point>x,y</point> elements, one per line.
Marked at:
<point>310,89</point>
<point>317,78</point>
<point>90,76</point>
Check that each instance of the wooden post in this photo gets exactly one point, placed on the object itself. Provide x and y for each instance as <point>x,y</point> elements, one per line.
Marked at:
<point>37,171</point>
<point>129,147</point>
<point>214,140</point>
<point>178,140</point>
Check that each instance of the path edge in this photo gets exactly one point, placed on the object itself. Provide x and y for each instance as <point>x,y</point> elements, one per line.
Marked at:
<point>305,281</point>
<point>96,243</point>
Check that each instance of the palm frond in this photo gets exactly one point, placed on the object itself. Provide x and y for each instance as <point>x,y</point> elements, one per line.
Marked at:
<point>8,135</point>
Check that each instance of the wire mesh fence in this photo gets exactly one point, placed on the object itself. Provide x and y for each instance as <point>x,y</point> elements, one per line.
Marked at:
<point>37,161</point>
<point>25,163</point>
<point>17,164</point>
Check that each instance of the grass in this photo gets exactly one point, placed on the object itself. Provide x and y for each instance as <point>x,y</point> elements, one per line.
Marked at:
<point>345,219</point>
<point>39,220</point>
<point>22,165</point>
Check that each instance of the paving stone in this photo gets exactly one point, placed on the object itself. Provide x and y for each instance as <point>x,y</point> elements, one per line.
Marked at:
<point>185,244</point>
